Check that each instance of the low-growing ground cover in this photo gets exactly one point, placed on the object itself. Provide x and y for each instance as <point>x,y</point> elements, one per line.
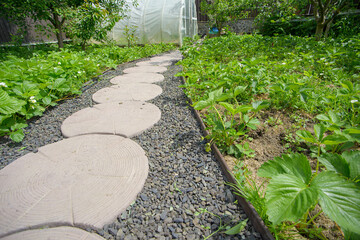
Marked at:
<point>287,109</point>
<point>32,80</point>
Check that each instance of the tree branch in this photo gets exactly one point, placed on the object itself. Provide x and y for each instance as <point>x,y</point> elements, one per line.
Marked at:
<point>336,12</point>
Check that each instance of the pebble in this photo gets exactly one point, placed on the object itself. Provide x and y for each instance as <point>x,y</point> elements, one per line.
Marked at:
<point>143,197</point>
<point>178,220</point>
<point>163,215</point>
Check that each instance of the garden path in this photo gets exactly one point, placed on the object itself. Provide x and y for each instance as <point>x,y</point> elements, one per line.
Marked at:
<point>90,178</point>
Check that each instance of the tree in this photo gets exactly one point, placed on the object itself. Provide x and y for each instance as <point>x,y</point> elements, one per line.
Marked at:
<point>83,19</point>
<point>222,11</point>
<point>325,11</point>
<point>94,19</point>
<point>50,10</point>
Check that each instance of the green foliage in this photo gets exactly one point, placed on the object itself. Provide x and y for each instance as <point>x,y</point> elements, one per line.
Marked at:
<point>344,25</point>
<point>247,188</point>
<point>296,73</point>
<point>237,228</point>
<point>220,12</point>
<point>130,35</point>
<point>276,17</point>
<point>94,19</point>
<point>347,164</point>
<point>294,189</point>
<point>235,79</point>
<point>53,11</point>
<point>236,121</point>
<point>29,86</point>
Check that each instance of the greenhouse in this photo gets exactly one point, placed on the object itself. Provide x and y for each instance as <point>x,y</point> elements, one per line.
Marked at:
<point>167,21</point>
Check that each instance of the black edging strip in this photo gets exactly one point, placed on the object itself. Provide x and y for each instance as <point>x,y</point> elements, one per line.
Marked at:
<point>250,211</point>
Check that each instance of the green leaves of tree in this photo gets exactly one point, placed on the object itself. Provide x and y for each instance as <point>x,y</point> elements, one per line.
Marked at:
<point>94,18</point>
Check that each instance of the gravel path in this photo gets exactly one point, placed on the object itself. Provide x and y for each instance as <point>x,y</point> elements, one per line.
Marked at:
<point>183,178</point>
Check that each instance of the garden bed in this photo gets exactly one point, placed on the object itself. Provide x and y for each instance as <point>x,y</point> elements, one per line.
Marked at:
<point>284,112</point>
<point>33,80</point>
<point>227,165</point>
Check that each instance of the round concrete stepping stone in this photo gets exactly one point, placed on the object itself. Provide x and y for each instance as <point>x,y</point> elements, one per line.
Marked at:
<point>166,57</point>
<point>165,63</point>
<point>87,180</point>
<point>176,55</point>
<point>57,233</point>
<point>127,92</point>
<point>137,78</point>
<point>127,119</point>
<point>160,59</point>
<point>145,69</point>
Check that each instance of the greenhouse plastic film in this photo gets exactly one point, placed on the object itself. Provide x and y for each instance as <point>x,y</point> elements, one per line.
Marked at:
<point>155,21</point>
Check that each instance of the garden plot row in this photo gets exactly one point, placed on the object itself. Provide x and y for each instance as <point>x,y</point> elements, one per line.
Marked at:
<point>32,81</point>
<point>285,113</point>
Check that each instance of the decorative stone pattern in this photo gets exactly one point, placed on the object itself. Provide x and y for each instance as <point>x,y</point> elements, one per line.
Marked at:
<point>127,119</point>
<point>86,180</point>
<point>58,233</point>
<point>137,78</point>
<point>145,69</point>
<point>127,92</point>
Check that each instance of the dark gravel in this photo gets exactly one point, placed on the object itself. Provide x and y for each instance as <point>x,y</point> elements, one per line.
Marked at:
<point>183,177</point>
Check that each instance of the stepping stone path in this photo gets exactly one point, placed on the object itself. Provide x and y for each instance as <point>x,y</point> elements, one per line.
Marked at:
<point>88,179</point>
<point>127,119</point>
<point>127,92</point>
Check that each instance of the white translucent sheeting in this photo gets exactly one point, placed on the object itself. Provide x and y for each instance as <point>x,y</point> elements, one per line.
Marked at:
<point>156,21</point>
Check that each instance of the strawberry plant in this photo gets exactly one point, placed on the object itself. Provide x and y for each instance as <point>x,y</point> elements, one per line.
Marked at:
<point>294,190</point>
<point>29,86</point>
<point>314,81</point>
<point>226,129</point>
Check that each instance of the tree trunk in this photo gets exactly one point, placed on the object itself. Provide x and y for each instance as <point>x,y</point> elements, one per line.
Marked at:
<point>83,46</point>
<point>59,36</point>
<point>319,31</point>
<point>327,28</point>
<point>59,31</point>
